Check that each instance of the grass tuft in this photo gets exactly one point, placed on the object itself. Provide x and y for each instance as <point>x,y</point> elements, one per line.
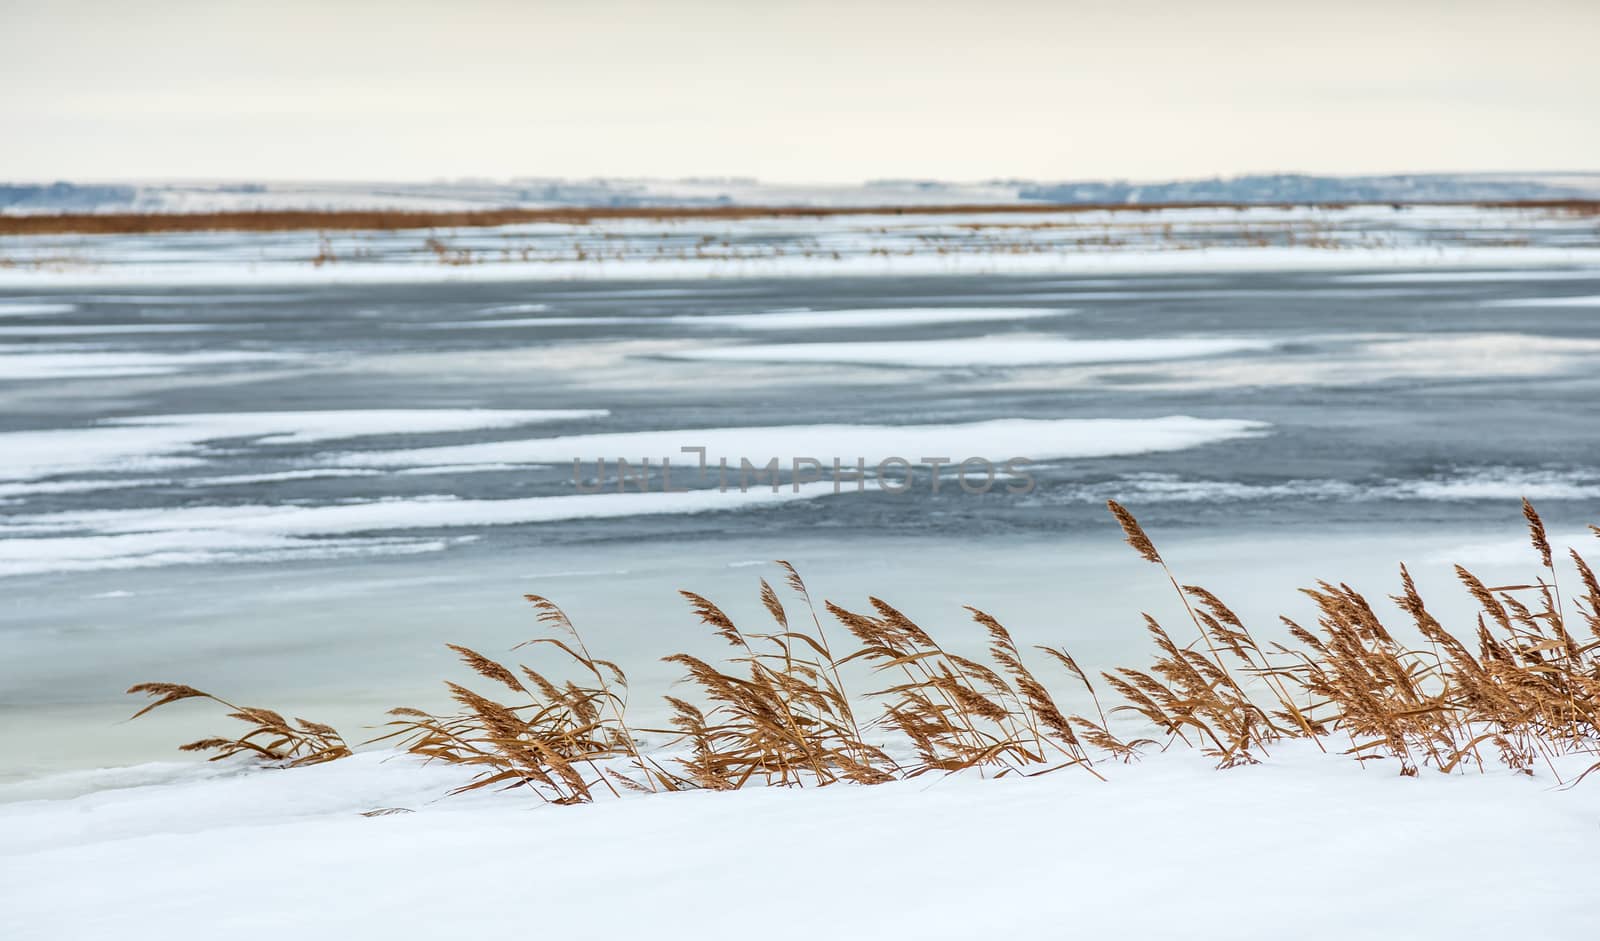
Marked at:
<point>1517,689</point>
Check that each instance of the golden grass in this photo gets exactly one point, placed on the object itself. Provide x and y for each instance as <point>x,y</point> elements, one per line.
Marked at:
<point>384,219</point>
<point>271,737</point>
<point>1517,689</point>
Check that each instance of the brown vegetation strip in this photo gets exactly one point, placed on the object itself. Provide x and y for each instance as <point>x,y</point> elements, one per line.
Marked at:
<point>371,220</point>
<point>1516,688</point>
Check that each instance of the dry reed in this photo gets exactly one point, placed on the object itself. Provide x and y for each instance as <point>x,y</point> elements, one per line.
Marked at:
<point>347,220</point>
<point>1519,688</point>
<point>271,738</point>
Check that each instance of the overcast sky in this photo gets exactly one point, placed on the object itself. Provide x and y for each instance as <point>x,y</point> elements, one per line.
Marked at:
<point>821,90</point>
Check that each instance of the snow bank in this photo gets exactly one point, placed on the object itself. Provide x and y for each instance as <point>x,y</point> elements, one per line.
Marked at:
<point>1305,845</point>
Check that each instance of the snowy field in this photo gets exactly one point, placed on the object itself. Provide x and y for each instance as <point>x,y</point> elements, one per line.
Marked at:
<point>290,481</point>
<point>1304,845</point>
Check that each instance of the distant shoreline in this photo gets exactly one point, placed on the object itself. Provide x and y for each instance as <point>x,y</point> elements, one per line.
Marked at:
<point>278,220</point>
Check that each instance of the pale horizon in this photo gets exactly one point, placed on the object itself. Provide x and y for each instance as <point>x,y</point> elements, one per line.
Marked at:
<point>825,93</point>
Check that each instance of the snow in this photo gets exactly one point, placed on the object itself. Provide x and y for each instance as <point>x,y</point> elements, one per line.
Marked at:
<point>984,351</point>
<point>222,271</point>
<point>787,319</point>
<point>70,330</point>
<point>1063,263</point>
<point>376,515</point>
<point>136,538</point>
<point>327,425</point>
<point>1497,485</point>
<point>164,441</point>
<point>26,309</point>
<point>1305,845</point>
<point>88,364</point>
<point>870,317</point>
<point>1510,274</point>
<point>997,440</point>
<point>529,308</point>
<point>1588,300</point>
<point>19,557</point>
<point>539,322</point>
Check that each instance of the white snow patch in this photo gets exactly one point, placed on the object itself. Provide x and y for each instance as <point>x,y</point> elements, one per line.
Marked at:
<point>27,309</point>
<point>434,512</point>
<point>783,319</point>
<point>997,440</point>
<point>98,365</point>
<point>314,426</point>
<point>1464,485</point>
<point>88,486</point>
<point>538,322</point>
<point>986,351</point>
<point>1587,300</point>
<point>39,556</point>
<point>1063,263</point>
<point>164,441</point>
<point>167,849</point>
<point>869,317</point>
<point>308,473</point>
<point>1510,274</point>
<point>1502,484</point>
<point>73,330</point>
<point>141,538</point>
<point>516,309</point>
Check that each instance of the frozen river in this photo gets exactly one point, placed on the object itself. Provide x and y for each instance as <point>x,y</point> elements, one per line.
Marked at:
<point>294,492</point>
